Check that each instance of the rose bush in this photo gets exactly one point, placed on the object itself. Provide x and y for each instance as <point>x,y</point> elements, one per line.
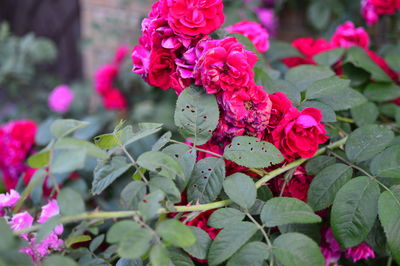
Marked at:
<point>286,158</point>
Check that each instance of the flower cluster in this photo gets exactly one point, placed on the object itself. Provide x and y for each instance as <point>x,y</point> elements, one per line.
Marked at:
<point>175,53</point>
<point>372,9</point>
<point>113,99</point>
<point>17,138</point>
<point>36,250</point>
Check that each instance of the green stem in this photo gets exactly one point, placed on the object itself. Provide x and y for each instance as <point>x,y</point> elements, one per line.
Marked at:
<point>201,207</point>
<point>344,119</point>
<point>194,147</point>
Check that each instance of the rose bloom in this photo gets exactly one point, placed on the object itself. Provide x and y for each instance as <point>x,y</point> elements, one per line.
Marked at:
<point>104,78</point>
<point>368,12</point>
<point>141,61</point>
<point>385,6</point>
<point>308,47</point>
<point>194,17</point>
<point>114,100</point>
<point>60,99</point>
<point>268,19</point>
<point>225,65</point>
<point>162,66</point>
<point>383,65</point>
<point>254,31</point>
<point>247,107</point>
<point>299,133</point>
<point>120,54</point>
<point>348,35</point>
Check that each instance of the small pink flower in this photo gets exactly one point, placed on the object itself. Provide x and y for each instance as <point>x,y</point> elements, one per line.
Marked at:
<point>368,12</point>
<point>21,220</point>
<point>60,99</point>
<point>120,53</point>
<point>49,210</point>
<point>254,31</point>
<point>362,251</point>
<point>9,199</point>
<point>330,248</point>
<point>268,19</point>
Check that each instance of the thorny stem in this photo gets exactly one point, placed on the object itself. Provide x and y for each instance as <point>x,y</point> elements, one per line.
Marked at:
<point>203,150</point>
<point>201,207</point>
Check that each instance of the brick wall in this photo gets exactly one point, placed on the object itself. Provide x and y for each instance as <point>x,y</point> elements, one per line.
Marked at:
<point>107,24</point>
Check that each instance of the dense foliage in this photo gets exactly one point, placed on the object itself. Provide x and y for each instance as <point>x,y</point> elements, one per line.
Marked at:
<point>287,154</point>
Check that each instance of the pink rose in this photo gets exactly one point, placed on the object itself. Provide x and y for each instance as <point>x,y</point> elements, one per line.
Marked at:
<point>9,199</point>
<point>385,6</point>
<point>60,99</point>
<point>21,220</point>
<point>141,61</point>
<point>368,12</point>
<point>247,107</point>
<point>194,17</point>
<point>254,31</point>
<point>362,251</point>
<point>298,134</point>
<point>49,210</point>
<point>225,65</point>
<point>347,35</point>
<point>268,19</point>
<point>162,66</point>
<point>104,78</point>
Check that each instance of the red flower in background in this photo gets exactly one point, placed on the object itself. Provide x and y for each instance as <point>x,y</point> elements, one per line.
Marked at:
<point>114,100</point>
<point>348,35</point>
<point>17,139</point>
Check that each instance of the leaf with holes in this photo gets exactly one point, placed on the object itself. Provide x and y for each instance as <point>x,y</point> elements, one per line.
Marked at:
<point>252,152</point>
<point>196,114</point>
<point>161,163</point>
<point>206,181</point>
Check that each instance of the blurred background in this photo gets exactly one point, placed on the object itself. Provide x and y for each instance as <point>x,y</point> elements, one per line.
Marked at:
<point>47,43</point>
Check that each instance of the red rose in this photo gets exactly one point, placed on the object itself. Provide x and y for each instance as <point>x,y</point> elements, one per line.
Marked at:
<point>309,47</point>
<point>104,78</point>
<point>162,66</point>
<point>347,35</point>
<point>385,6</point>
<point>280,106</point>
<point>225,65</point>
<point>298,134</point>
<point>114,100</point>
<point>383,65</point>
<point>194,17</point>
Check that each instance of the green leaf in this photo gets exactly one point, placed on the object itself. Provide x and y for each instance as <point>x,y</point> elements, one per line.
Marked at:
<point>161,163</point>
<point>91,149</point>
<point>291,91</point>
<point>382,92</point>
<point>328,114</point>
<point>367,141</point>
<point>76,239</point>
<point>316,164</point>
<point>70,202</point>
<point>389,215</point>
<point>327,87</point>
<point>329,57</point>
<point>59,260</point>
<point>96,242</point>
<point>149,207</point>
<point>120,229</point>
<point>40,159</point>
<point>176,233</point>
<point>251,254</point>
<point>346,99</point>
<point>107,172</point>
<point>279,50</point>
<point>186,158</point>
<point>387,163</point>
<point>283,210</point>
<point>135,244</point>
<point>313,231</point>
<point>224,217</point>
<point>294,249</point>
<point>132,194</point>
<point>365,113</point>
<point>179,257</point>
<point>229,240</point>
<point>326,184</point>
<point>8,240</point>
<point>241,190</point>
<point>159,255</point>
<point>354,211</point>
<point>63,127</point>
<point>319,14</point>
<point>196,114</point>
<point>128,135</point>
<point>162,141</point>
<point>68,160</point>
<point>206,182</point>
<point>358,57</point>
<point>167,186</point>
<point>200,248</point>
<point>252,152</point>
<point>305,75</point>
